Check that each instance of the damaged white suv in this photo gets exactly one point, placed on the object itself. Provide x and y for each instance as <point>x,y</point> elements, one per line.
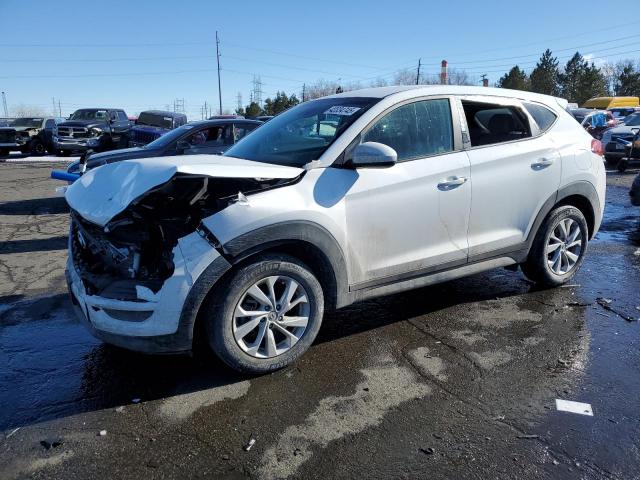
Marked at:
<point>338,199</point>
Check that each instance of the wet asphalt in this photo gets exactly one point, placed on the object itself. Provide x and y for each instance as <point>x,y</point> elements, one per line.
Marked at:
<point>458,380</point>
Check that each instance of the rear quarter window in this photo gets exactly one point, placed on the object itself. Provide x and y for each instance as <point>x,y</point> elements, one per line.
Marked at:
<point>542,115</point>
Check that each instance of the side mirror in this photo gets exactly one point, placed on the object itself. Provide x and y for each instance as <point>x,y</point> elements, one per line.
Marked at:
<point>182,145</point>
<point>374,155</point>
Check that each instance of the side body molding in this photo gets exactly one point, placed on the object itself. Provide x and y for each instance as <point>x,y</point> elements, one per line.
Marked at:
<point>291,233</point>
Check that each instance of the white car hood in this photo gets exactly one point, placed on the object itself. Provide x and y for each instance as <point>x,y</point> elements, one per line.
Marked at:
<point>104,192</point>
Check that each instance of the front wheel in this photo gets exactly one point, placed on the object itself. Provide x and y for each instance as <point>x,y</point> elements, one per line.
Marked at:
<point>267,316</point>
<point>559,247</point>
<point>37,147</point>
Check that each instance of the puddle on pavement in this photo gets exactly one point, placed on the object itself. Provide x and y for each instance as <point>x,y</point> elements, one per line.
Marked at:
<point>51,367</point>
<point>621,221</point>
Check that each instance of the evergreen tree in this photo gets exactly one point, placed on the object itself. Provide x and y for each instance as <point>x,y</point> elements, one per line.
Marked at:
<point>581,81</point>
<point>544,77</point>
<point>628,81</point>
<point>516,79</point>
<point>252,110</point>
<point>280,103</point>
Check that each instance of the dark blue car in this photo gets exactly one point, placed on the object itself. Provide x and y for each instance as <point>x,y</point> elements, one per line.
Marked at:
<point>152,124</point>
<point>206,136</point>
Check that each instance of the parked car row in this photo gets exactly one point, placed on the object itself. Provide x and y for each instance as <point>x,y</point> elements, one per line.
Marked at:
<point>206,136</point>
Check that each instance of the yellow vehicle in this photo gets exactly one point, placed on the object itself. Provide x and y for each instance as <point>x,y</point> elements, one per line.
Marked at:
<point>605,103</point>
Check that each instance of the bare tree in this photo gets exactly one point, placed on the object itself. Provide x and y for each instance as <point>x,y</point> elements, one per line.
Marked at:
<point>379,82</point>
<point>22,110</point>
<point>459,77</point>
<point>406,76</point>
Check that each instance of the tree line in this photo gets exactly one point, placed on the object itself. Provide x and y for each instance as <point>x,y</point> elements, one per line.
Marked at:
<point>579,79</point>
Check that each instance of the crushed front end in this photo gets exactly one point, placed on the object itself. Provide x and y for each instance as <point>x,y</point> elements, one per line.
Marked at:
<point>137,279</point>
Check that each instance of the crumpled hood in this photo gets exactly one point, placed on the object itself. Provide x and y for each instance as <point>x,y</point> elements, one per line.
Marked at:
<point>102,193</point>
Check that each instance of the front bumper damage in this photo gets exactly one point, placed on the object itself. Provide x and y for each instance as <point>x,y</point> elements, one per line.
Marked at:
<point>160,322</point>
<point>140,259</point>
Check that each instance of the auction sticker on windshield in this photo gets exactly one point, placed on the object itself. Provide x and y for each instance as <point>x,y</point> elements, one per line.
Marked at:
<point>340,110</point>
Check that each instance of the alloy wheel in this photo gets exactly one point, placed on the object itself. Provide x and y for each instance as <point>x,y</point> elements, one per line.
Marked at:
<point>271,316</point>
<point>564,246</point>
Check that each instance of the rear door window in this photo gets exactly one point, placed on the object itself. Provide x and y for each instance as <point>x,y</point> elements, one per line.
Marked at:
<point>490,124</point>
<point>415,130</point>
<point>542,115</point>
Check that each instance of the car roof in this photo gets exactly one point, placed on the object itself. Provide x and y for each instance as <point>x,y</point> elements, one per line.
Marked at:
<point>381,92</point>
<point>225,121</point>
<point>164,113</point>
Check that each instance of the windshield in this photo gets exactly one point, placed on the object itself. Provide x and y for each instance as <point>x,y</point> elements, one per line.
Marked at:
<point>89,115</point>
<point>632,120</point>
<point>303,133</point>
<point>169,137</point>
<point>155,120</point>
<point>27,122</point>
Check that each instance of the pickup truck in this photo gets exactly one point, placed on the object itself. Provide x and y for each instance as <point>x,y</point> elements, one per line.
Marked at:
<point>29,135</point>
<point>97,129</point>
<point>152,124</point>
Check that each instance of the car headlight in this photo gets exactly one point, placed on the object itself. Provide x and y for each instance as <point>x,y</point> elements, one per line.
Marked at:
<point>95,131</point>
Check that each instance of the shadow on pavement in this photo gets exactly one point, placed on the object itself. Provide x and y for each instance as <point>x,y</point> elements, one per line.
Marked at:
<point>34,245</point>
<point>37,206</point>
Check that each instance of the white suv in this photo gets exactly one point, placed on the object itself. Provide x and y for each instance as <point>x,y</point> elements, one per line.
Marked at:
<point>339,199</point>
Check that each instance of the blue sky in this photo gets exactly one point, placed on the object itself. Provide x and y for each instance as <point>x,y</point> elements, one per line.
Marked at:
<point>144,54</point>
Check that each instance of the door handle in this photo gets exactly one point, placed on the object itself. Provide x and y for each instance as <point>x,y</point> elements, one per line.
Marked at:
<point>451,183</point>
<point>542,163</point>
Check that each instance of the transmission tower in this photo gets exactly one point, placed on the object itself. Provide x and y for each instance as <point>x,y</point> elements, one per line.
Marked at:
<point>239,99</point>
<point>257,90</point>
<point>178,105</point>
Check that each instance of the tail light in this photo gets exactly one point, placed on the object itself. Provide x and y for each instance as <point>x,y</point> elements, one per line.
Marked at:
<point>596,147</point>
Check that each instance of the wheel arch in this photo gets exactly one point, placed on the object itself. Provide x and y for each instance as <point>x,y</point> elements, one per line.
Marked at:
<point>307,241</point>
<point>581,195</point>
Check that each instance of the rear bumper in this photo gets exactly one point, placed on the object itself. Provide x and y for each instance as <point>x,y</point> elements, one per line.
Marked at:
<point>160,323</point>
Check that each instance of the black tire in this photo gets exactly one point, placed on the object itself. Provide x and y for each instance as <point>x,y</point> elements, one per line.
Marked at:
<point>37,148</point>
<point>218,313</point>
<point>4,152</point>
<point>536,268</point>
<point>611,161</point>
<point>622,165</point>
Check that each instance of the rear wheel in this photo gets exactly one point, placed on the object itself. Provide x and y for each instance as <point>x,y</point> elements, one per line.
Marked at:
<point>559,247</point>
<point>267,316</point>
<point>611,161</point>
<point>623,164</point>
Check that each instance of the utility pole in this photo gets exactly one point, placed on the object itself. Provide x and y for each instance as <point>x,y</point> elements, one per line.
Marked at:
<point>239,100</point>
<point>304,88</point>
<point>4,104</point>
<point>418,75</point>
<point>53,102</point>
<point>59,109</point>
<point>206,110</point>
<point>218,59</point>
